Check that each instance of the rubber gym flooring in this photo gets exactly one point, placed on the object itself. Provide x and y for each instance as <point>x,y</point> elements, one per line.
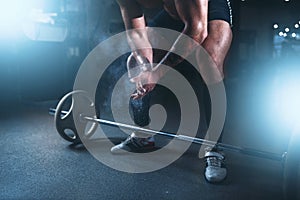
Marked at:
<point>36,163</point>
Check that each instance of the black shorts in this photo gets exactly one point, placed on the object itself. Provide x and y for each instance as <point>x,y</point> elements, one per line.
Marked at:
<point>220,9</point>
<point>217,10</point>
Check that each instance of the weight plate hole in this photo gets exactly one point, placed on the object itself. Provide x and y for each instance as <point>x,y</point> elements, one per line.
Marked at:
<point>70,133</point>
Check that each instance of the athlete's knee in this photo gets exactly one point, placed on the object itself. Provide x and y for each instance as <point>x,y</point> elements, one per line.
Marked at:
<point>197,30</point>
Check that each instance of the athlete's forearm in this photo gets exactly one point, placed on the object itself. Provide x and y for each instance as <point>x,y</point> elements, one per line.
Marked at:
<point>194,16</point>
<point>181,49</point>
<point>135,25</point>
<point>139,43</point>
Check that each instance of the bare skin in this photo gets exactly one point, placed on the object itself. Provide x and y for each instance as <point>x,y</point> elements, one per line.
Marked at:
<point>214,36</point>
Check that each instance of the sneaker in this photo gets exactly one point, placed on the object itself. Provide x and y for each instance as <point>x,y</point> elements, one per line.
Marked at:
<point>215,170</point>
<point>135,144</point>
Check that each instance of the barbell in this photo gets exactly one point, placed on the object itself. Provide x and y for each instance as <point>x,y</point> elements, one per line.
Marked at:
<point>80,104</point>
<point>64,121</point>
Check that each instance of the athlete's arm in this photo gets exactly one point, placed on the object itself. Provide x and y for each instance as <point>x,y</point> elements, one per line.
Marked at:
<point>134,20</point>
<point>194,14</point>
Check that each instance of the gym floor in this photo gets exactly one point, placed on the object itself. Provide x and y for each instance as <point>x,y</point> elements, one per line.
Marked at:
<point>36,163</point>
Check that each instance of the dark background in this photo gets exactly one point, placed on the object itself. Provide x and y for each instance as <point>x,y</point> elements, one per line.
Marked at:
<point>44,70</point>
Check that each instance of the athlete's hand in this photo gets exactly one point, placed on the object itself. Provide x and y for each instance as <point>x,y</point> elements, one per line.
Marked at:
<point>145,82</point>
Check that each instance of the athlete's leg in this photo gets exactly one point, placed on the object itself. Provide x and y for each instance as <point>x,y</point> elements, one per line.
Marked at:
<point>217,45</point>
<point>218,42</point>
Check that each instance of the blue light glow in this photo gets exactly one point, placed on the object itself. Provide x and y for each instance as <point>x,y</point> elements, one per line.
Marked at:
<point>286,100</point>
<point>12,15</point>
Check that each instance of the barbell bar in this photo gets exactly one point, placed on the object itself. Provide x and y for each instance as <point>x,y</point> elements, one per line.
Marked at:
<point>246,151</point>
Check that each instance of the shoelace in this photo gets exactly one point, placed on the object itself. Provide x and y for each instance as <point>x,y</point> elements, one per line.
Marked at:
<point>136,142</point>
<point>214,161</point>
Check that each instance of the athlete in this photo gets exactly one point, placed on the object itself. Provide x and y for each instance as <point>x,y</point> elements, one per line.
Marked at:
<point>208,23</point>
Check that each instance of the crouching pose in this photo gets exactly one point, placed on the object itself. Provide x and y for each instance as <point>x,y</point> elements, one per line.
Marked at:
<point>208,23</point>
